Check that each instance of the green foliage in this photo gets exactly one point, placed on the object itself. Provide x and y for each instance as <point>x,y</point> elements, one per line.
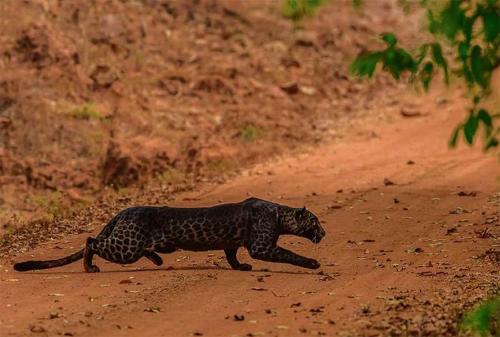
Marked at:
<point>86,111</point>
<point>365,65</point>
<point>296,10</point>
<point>470,126</point>
<point>171,176</point>
<point>250,133</point>
<point>357,3</point>
<point>395,60</point>
<point>484,319</point>
<point>50,204</point>
<point>218,167</point>
<point>472,29</point>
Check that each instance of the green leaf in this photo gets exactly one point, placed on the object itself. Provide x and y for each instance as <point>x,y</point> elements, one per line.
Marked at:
<point>487,120</point>
<point>364,65</point>
<point>466,72</point>
<point>491,23</point>
<point>463,50</point>
<point>398,60</point>
<point>467,24</point>
<point>437,55</point>
<point>476,67</point>
<point>422,52</point>
<point>470,128</point>
<point>452,18</point>
<point>480,67</point>
<point>454,136</point>
<point>406,60</point>
<point>433,23</point>
<point>485,117</point>
<point>426,75</point>
<point>390,38</point>
<point>491,143</point>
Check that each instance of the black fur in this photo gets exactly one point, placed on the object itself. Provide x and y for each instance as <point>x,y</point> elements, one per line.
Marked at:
<point>145,231</point>
<point>33,265</point>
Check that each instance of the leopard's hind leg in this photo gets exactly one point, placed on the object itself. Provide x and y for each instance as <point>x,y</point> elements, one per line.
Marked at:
<point>115,250</point>
<point>153,257</point>
<point>88,255</point>
<point>163,249</point>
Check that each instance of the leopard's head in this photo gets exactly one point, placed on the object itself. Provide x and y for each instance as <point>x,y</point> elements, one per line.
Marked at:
<point>302,222</point>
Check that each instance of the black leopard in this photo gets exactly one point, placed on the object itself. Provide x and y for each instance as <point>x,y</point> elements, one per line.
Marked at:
<point>255,224</point>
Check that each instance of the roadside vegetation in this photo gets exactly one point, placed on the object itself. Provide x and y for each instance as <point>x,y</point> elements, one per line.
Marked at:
<point>461,43</point>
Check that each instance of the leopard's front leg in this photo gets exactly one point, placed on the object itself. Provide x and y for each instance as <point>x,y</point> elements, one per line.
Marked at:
<point>281,255</point>
<point>263,245</point>
<point>233,261</point>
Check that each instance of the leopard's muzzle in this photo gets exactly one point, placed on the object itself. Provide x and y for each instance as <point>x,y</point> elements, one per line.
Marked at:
<point>316,235</point>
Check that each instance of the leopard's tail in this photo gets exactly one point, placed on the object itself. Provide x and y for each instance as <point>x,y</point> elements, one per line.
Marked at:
<point>34,265</point>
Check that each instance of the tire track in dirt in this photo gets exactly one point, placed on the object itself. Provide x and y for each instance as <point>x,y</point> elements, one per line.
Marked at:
<point>394,256</point>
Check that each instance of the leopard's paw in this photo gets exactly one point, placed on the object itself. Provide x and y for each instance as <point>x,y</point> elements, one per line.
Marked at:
<point>312,264</point>
<point>245,267</point>
<point>92,269</point>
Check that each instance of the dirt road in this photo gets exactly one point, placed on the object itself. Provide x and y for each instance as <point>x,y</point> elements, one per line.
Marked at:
<point>401,256</point>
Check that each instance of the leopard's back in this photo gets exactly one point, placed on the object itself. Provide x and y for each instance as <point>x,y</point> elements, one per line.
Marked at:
<point>207,228</point>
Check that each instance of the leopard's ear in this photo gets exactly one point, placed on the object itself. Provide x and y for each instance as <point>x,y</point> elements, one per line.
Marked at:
<point>300,212</point>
